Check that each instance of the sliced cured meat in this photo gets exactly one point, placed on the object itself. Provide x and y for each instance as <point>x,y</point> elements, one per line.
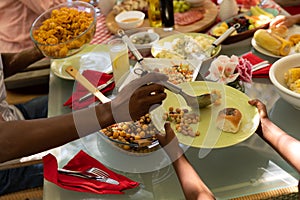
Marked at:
<point>188,17</point>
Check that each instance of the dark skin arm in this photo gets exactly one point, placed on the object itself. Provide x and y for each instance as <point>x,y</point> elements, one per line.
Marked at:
<point>27,137</point>
<point>16,62</point>
<point>192,185</point>
<point>287,146</point>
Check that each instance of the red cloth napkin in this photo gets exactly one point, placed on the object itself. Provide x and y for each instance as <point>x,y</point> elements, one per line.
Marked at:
<point>254,59</point>
<point>83,161</point>
<point>96,78</point>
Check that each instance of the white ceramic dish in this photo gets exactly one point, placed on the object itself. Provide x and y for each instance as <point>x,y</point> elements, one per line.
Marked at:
<point>130,19</point>
<point>145,48</point>
<point>93,57</point>
<point>277,71</point>
<point>293,30</point>
<point>160,63</point>
<point>164,47</point>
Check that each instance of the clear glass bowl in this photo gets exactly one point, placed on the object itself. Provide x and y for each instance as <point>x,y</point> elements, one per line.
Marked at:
<point>71,27</point>
<point>132,137</point>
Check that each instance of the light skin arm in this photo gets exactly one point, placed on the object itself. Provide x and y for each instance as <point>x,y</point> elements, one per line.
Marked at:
<point>287,146</point>
<point>285,20</point>
<point>27,137</point>
<point>192,185</point>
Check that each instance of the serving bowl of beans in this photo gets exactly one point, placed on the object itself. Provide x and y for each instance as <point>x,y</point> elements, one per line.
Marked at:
<point>64,30</point>
<point>143,41</point>
<point>135,137</point>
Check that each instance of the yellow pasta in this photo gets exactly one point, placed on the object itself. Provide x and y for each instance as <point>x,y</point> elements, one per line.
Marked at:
<point>64,25</point>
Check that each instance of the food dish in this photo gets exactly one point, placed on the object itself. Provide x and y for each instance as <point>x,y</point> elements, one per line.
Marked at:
<point>210,15</point>
<point>143,41</point>
<point>93,57</point>
<point>293,30</point>
<point>242,35</point>
<point>165,45</point>
<point>277,77</point>
<point>268,53</point>
<point>272,42</point>
<point>130,19</point>
<point>210,135</point>
<point>154,64</point>
<point>64,30</point>
<point>132,137</point>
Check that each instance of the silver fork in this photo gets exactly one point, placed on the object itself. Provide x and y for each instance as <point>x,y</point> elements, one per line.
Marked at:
<point>92,173</point>
<point>98,172</point>
<point>103,174</point>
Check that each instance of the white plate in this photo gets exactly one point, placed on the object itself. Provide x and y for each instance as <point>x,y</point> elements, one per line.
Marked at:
<point>293,30</point>
<point>160,63</point>
<point>92,57</point>
<point>166,44</point>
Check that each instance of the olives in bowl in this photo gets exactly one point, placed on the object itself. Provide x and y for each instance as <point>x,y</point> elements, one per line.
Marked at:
<point>143,41</point>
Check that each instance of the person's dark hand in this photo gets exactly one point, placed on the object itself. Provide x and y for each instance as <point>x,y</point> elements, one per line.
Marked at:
<point>170,142</point>
<point>139,97</point>
<point>262,110</point>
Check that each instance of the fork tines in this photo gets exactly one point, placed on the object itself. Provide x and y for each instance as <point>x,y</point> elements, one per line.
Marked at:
<point>98,172</point>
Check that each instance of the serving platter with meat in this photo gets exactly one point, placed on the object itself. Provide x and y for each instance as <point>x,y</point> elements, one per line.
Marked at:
<point>194,20</point>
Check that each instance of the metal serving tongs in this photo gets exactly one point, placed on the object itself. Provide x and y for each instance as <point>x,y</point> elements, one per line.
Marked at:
<point>209,52</point>
<point>200,101</point>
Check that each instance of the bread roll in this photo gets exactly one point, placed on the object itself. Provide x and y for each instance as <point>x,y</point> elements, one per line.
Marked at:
<point>229,120</point>
<point>272,42</point>
<point>281,31</point>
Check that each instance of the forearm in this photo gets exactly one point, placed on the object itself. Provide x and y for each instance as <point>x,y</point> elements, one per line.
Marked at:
<point>27,137</point>
<point>287,146</point>
<point>296,18</point>
<point>16,62</point>
<point>193,186</point>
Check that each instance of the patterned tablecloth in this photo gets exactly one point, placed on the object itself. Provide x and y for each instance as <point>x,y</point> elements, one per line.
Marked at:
<point>102,35</point>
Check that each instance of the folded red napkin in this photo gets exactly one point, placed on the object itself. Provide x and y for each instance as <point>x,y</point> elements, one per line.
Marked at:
<point>83,161</point>
<point>254,59</point>
<point>96,78</point>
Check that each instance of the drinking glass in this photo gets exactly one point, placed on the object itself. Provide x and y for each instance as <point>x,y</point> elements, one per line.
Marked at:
<point>118,52</point>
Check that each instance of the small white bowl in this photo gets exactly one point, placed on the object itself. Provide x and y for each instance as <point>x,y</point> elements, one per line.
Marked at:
<point>143,41</point>
<point>277,71</point>
<point>130,19</point>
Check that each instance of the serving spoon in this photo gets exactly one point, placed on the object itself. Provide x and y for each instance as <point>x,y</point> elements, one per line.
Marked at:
<point>86,83</point>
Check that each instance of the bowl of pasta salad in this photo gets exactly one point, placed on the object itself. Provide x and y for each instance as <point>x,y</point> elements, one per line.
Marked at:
<point>65,29</point>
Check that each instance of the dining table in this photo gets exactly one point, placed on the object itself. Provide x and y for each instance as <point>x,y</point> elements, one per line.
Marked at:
<point>249,167</point>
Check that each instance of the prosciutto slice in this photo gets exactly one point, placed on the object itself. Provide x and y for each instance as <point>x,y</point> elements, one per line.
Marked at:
<point>188,17</point>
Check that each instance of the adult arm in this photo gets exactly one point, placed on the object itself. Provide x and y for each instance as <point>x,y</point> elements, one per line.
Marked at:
<point>192,185</point>
<point>285,20</point>
<point>287,146</point>
<point>16,62</point>
<point>27,137</point>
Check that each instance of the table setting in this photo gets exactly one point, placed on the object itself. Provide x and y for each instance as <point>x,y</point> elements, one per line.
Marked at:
<point>129,157</point>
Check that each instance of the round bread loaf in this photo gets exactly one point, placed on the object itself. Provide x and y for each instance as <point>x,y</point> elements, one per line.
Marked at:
<point>229,120</point>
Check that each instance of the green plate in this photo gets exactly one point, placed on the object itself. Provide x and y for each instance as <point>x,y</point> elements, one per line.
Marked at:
<point>93,57</point>
<point>166,44</point>
<point>210,135</point>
